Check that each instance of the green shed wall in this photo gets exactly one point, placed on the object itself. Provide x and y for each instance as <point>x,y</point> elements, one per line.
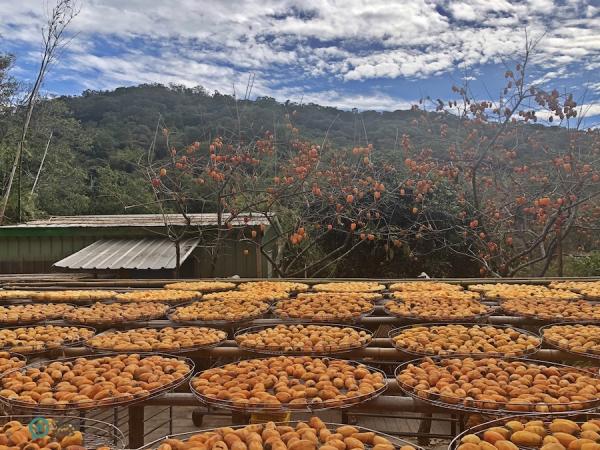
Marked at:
<point>232,261</point>
<point>36,254</point>
<point>34,250</point>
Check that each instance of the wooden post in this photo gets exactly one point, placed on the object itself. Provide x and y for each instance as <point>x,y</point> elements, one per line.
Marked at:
<point>239,418</point>
<point>177,259</point>
<point>258,253</point>
<point>425,429</point>
<point>19,175</point>
<point>136,426</point>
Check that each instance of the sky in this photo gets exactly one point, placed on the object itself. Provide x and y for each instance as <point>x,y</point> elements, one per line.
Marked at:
<point>365,54</point>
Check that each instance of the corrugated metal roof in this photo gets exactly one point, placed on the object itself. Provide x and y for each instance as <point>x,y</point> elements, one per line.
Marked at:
<point>115,254</point>
<point>139,220</point>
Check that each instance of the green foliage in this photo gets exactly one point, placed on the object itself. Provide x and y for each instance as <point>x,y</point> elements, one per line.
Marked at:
<point>583,266</point>
<point>119,192</point>
<point>62,186</point>
<point>103,136</point>
<point>127,117</point>
<point>8,85</point>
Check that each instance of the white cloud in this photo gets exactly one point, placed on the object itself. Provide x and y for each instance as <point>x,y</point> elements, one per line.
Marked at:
<point>218,43</point>
<point>593,86</point>
<point>590,109</point>
<point>375,101</point>
<point>463,11</point>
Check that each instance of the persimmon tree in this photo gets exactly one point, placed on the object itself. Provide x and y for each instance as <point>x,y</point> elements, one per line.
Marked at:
<point>211,176</point>
<point>519,189</point>
<point>321,202</point>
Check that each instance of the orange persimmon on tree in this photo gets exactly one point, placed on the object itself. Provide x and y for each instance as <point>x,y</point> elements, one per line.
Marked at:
<point>217,176</point>
<point>520,192</point>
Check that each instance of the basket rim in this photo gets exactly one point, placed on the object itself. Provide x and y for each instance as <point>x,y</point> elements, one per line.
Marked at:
<point>118,434</point>
<point>104,322</point>
<point>215,322</point>
<point>453,444</point>
<point>552,343</point>
<point>97,405</point>
<point>42,320</point>
<point>303,407</point>
<point>157,327</point>
<point>589,405</point>
<point>396,331</point>
<point>327,319</point>
<point>267,351</point>
<point>491,310</point>
<point>329,425</point>
<point>550,319</point>
<point>44,324</point>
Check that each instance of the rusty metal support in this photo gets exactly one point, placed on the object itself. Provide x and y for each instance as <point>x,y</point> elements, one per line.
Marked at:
<point>381,403</point>
<point>61,281</point>
<point>373,320</point>
<point>369,353</point>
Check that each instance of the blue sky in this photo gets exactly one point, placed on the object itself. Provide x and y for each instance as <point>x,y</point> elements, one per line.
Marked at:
<point>372,54</point>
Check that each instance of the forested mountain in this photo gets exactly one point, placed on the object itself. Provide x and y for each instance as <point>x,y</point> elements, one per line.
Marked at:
<point>100,138</point>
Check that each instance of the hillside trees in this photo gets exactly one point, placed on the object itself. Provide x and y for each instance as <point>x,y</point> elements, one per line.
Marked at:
<point>8,90</point>
<point>53,34</point>
<point>63,184</point>
<point>8,84</point>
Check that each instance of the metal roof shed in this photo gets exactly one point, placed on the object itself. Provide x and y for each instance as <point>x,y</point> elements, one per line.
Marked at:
<point>35,246</point>
<point>139,220</point>
<point>132,254</point>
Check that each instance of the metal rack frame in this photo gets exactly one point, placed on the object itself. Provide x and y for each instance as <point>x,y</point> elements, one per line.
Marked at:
<point>392,403</point>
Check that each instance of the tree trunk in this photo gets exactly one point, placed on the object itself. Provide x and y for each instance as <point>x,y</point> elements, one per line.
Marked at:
<point>177,259</point>
<point>559,251</point>
<point>37,177</point>
<point>19,210</point>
